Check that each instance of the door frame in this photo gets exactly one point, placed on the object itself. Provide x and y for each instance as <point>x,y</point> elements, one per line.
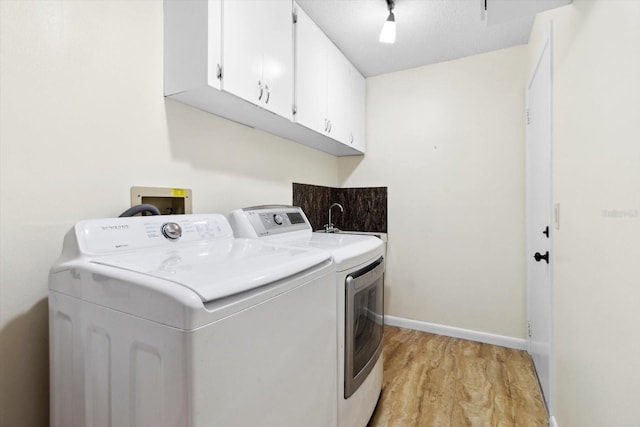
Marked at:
<point>547,46</point>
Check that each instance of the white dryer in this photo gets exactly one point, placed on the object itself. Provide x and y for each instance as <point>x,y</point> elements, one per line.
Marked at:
<point>359,263</point>
<point>170,321</point>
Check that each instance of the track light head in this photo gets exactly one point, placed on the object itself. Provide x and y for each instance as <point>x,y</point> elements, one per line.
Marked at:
<point>388,33</point>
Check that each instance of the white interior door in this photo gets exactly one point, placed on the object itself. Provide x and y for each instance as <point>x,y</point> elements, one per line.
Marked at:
<point>538,222</point>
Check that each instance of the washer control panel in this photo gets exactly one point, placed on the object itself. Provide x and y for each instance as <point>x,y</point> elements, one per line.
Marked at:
<point>108,235</point>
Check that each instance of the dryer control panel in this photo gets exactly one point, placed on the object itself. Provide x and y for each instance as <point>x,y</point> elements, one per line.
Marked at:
<point>261,221</point>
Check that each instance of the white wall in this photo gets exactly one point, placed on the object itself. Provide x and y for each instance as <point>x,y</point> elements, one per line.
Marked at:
<point>596,168</point>
<point>448,141</point>
<point>82,119</point>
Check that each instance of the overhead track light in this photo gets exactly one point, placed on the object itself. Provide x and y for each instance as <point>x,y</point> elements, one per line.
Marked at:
<point>388,33</point>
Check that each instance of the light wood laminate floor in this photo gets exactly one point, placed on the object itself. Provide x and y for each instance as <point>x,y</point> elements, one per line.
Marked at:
<point>437,381</point>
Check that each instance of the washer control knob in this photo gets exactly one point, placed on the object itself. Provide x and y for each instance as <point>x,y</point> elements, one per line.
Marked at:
<point>277,218</point>
<point>171,230</point>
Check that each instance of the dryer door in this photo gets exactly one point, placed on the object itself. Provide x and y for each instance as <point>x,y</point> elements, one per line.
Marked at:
<point>364,324</point>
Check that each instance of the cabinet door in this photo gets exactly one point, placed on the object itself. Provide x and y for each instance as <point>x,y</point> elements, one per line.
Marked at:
<point>337,94</point>
<point>357,109</point>
<point>242,49</point>
<point>311,73</point>
<point>258,52</point>
<point>192,49</point>
<point>214,43</point>
<point>277,67</point>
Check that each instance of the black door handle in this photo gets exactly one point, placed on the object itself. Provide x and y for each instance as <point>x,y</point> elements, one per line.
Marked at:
<point>539,257</point>
<point>546,232</point>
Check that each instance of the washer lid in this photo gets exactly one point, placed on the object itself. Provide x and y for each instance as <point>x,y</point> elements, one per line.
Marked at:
<point>217,269</point>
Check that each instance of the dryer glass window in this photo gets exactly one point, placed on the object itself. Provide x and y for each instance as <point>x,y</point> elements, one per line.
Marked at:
<point>367,325</point>
<point>364,314</point>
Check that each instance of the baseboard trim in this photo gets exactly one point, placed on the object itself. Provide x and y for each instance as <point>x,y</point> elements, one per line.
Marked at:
<point>553,422</point>
<point>451,331</point>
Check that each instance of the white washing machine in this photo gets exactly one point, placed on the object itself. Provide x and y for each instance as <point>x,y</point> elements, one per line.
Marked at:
<point>359,264</point>
<point>170,321</point>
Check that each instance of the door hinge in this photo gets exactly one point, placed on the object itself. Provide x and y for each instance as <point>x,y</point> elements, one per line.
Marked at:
<point>529,329</point>
<point>219,72</point>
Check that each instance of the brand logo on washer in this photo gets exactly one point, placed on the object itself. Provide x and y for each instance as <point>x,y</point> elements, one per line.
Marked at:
<point>114,227</point>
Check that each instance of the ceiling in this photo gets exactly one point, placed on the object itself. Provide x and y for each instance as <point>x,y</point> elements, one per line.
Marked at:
<point>428,31</point>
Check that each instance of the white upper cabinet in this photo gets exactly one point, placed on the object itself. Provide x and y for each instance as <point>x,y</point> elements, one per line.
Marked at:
<point>325,95</point>
<point>214,43</point>
<point>338,93</point>
<point>235,59</point>
<point>258,53</point>
<point>192,44</point>
<point>310,74</point>
<point>357,108</point>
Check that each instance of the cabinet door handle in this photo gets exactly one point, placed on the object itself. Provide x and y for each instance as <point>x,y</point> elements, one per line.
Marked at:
<point>330,126</point>
<point>351,139</point>
<point>326,125</point>
<point>266,87</point>
<point>260,90</point>
<point>538,257</point>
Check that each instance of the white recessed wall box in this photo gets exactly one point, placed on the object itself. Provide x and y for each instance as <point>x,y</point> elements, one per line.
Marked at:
<point>170,201</point>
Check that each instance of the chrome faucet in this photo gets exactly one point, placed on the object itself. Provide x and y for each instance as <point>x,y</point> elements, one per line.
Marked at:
<point>328,228</point>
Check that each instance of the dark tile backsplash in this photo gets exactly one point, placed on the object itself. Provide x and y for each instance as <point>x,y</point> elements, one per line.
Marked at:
<point>365,209</point>
<point>314,201</point>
